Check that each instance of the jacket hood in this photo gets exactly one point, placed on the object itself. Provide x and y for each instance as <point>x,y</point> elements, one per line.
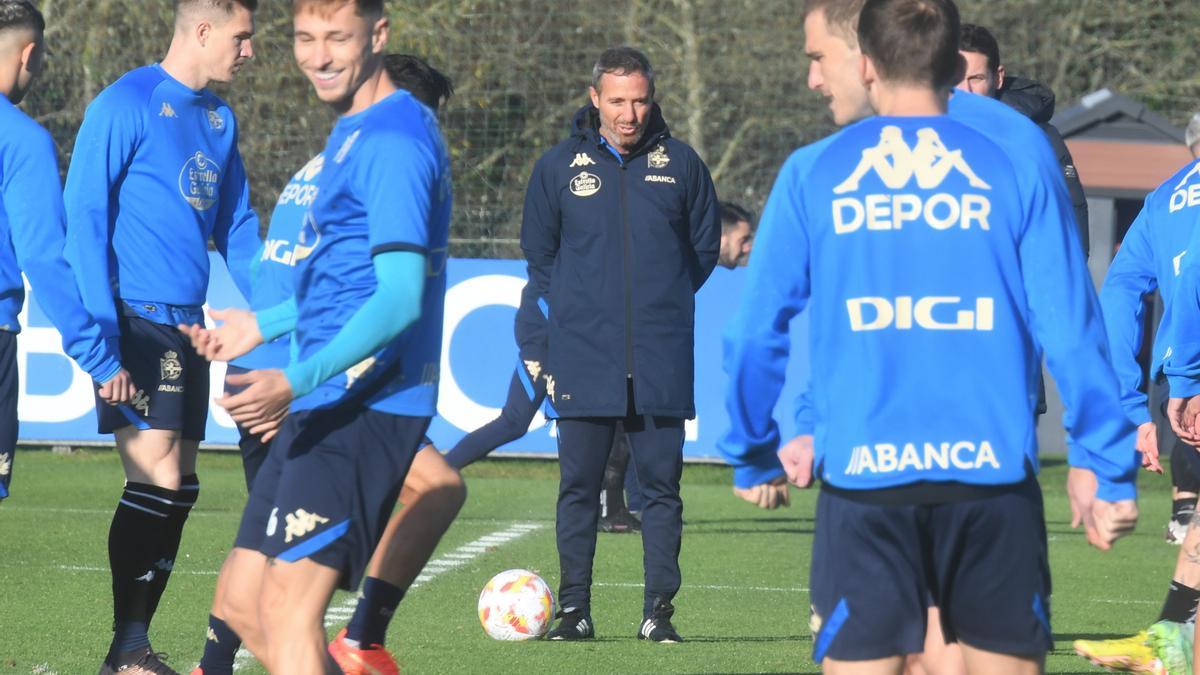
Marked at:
<point>586,124</point>
<point>1029,97</point>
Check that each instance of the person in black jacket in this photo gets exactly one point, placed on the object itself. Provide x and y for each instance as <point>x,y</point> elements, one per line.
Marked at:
<point>621,227</point>
<point>985,75</point>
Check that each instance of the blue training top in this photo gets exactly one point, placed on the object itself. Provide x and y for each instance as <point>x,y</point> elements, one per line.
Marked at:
<point>934,268</point>
<point>1151,256</point>
<point>385,186</point>
<point>1177,346</point>
<point>154,175</point>
<point>274,269</point>
<point>32,232</point>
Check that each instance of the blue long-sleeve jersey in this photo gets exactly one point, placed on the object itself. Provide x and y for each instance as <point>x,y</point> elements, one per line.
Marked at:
<point>1151,257</point>
<point>154,175</point>
<point>933,267</point>
<point>1177,346</point>
<point>32,232</point>
<point>1026,145</point>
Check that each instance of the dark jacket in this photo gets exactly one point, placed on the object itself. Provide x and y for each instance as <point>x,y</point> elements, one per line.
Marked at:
<point>1036,101</point>
<point>619,250</point>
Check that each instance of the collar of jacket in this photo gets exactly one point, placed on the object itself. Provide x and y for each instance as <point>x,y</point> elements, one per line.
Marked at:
<point>586,125</point>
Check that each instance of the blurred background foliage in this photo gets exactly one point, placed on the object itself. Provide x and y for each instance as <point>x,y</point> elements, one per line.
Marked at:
<point>731,80</point>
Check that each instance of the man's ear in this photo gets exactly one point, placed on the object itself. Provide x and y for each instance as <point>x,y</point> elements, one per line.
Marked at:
<point>203,32</point>
<point>866,70</point>
<point>1000,77</point>
<point>28,53</point>
<point>379,35</point>
<point>960,67</point>
<point>595,95</point>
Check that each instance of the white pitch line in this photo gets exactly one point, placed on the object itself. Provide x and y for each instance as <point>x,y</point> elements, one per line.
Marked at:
<point>439,565</point>
<point>713,587</point>
<point>85,568</point>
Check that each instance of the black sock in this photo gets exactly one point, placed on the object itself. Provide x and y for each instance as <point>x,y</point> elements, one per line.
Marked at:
<point>374,612</point>
<point>133,542</point>
<point>1180,605</point>
<point>182,501</point>
<point>1182,510</point>
<point>220,648</point>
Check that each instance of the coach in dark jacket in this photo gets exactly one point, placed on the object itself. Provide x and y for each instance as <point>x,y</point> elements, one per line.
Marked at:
<point>621,228</point>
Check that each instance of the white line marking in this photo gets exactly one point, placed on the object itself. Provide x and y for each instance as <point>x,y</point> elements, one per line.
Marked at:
<point>87,568</point>
<point>714,587</point>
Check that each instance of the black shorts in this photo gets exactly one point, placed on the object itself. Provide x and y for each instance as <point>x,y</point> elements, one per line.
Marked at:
<point>254,450</point>
<point>171,379</point>
<point>983,562</point>
<point>9,392</point>
<point>328,487</point>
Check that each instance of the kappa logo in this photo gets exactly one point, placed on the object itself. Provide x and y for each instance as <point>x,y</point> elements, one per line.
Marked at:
<point>169,367</point>
<point>896,164</point>
<point>345,149</point>
<point>358,370</point>
<point>212,636</point>
<point>582,159</point>
<point>166,110</point>
<point>273,522</point>
<point>534,368</point>
<point>301,523</point>
<point>147,577</point>
<point>214,120</point>
<point>658,158</point>
<point>814,620</point>
<point>5,463</point>
<point>141,402</point>
<point>585,184</point>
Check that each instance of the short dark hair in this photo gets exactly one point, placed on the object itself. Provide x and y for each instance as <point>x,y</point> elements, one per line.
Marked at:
<point>977,39</point>
<point>367,8</point>
<point>732,214</point>
<point>419,78</point>
<point>912,41</point>
<point>622,61</point>
<point>21,15</point>
<point>840,15</point>
<point>225,6</point>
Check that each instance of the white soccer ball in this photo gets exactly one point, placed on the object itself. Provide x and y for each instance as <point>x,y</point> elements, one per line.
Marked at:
<point>516,605</point>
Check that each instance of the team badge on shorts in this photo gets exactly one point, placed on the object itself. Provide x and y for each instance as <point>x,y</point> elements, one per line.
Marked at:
<point>657,158</point>
<point>169,367</point>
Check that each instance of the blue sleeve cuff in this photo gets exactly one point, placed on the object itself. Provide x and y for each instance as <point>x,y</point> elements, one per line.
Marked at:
<point>1139,415</point>
<point>1115,492</point>
<point>106,371</point>
<point>1182,386</point>
<point>749,476</point>
<point>277,320</point>
<point>1077,457</point>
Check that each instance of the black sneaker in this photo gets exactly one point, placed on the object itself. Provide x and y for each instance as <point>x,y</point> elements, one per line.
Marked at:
<point>573,625</point>
<point>619,522</point>
<point>657,626</point>
<point>140,662</point>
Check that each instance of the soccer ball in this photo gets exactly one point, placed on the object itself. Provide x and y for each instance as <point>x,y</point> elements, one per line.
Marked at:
<point>516,605</point>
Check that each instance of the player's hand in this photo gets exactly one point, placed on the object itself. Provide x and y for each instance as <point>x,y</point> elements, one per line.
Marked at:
<point>120,389</point>
<point>1081,493</point>
<point>263,404</point>
<point>1147,446</point>
<point>797,458</point>
<point>770,495</point>
<point>1182,413</point>
<point>1113,520</point>
<point>236,335</point>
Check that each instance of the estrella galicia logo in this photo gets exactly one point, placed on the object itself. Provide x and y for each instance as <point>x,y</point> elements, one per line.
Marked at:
<point>585,184</point>
<point>200,181</point>
<point>307,240</point>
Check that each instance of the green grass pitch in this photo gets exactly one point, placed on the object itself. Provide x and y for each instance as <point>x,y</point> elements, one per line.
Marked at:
<point>743,607</point>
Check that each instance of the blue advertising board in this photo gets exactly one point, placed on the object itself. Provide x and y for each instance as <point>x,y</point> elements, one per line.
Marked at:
<point>478,357</point>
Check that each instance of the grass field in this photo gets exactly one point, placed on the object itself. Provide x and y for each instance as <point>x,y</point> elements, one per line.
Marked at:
<point>743,607</point>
